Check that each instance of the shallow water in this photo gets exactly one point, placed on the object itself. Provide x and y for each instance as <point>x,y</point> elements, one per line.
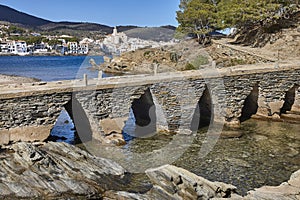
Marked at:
<point>266,154</point>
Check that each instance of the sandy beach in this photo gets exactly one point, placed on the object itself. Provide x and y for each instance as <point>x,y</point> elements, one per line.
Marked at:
<point>9,79</point>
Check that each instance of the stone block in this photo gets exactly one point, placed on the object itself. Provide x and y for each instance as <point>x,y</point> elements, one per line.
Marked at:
<point>30,133</point>
<point>276,106</point>
<point>110,126</point>
<point>4,136</point>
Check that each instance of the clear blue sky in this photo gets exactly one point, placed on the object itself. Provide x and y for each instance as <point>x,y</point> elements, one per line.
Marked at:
<point>108,12</point>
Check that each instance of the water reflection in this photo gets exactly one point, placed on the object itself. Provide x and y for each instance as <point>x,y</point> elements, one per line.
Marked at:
<point>266,154</point>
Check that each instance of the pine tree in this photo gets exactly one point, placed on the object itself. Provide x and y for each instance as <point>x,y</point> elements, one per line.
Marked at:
<point>200,17</point>
<point>197,17</point>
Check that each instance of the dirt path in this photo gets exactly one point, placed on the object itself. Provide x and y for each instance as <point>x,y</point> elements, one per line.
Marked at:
<point>287,47</point>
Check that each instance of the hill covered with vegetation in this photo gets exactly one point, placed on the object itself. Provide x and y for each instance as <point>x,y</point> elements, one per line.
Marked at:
<point>165,33</point>
<point>27,21</point>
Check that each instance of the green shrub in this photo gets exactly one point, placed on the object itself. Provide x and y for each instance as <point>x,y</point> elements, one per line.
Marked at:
<point>147,53</point>
<point>189,66</point>
<point>200,60</point>
<point>237,61</point>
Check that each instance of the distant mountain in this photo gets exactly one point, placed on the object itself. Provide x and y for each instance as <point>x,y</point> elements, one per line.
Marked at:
<point>165,33</point>
<point>169,27</point>
<point>13,16</point>
<point>75,26</point>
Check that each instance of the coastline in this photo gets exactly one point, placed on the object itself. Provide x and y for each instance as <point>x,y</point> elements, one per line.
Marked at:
<point>54,54</point>
<point>14,79</point>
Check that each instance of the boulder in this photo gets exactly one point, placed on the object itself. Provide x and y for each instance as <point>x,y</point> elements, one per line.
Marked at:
<point>52,170</point>
<point>171,182</point>
<point>285,191</point>
<point>112,129</point>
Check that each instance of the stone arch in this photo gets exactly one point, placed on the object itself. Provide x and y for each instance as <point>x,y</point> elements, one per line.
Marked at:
<point>289,100</point>
<point>143,112</point>
<point>250,104</point>
<point>80,119</point>
<point>203,114</point>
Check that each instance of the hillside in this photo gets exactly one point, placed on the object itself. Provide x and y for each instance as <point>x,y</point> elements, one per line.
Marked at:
<point>24,20</point>
<point>152,33</point>
<point>13,16</point>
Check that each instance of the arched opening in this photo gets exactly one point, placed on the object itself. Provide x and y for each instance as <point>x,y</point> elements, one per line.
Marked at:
<point>250,105</point>
<point>289,100</point>
<point>63,130</point>
<point>142,117</point>
<point>203,112</point>
<point>82,125</point>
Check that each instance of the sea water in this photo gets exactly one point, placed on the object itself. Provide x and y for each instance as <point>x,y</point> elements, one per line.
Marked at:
<point>49,68</point>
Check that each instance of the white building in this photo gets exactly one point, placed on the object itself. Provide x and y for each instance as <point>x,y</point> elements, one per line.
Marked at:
<point>118,43</point>
<point>4,47</point>
<point>14,47</point>
<point>83,48</point>
<point>72,47</point>
<point>21,46</point>
<point>75,48</point>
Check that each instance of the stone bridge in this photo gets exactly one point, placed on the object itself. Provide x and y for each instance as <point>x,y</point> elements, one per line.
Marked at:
<point>176,102</point>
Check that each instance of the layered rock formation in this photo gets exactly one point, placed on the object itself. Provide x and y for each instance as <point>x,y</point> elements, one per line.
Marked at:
<point>170,182</point>
<point>55,170</point>
<point>61,171</point>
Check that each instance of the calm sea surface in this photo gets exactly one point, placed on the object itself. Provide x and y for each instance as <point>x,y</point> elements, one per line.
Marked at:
<point>49,68</point>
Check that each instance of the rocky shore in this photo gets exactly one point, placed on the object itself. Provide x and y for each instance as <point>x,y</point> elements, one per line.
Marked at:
<point>185,55</point>
<point>10,79</point>
<point>62,171</point>
<point>188,55</point>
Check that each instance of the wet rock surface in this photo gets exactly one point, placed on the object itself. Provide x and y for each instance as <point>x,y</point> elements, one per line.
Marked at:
<point>173,182</point>
<point>285,191</point>
<point>170,182</point>
<point>61,171</point>
<point>55,170</point>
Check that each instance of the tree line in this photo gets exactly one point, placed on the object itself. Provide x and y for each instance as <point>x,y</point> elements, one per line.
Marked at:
<point>200,17</point>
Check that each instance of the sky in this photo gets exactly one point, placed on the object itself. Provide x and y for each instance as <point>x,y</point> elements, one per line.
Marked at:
<point>108,12</point>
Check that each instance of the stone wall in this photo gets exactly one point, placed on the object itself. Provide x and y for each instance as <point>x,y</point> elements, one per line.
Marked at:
<point>101,112</point>
<point>178,101</point>
<point>30,118</point>
<point>273,87</point>
<point>112,105</point>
